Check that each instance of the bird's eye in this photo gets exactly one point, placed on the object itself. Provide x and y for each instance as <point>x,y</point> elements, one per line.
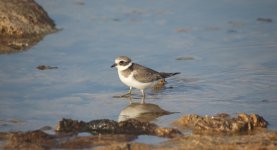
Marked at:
<point>121,62</point>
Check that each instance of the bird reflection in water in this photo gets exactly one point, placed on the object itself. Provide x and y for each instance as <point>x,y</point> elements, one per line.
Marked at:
<point>144,112</point>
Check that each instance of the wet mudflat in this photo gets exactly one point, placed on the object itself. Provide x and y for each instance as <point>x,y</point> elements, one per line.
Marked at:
<point>225,51</point>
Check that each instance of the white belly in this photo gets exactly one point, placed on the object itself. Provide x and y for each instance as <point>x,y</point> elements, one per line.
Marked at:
<point>131,82</point>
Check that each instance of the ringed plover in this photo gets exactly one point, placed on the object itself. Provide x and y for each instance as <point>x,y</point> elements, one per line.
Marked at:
<point>138,76</point>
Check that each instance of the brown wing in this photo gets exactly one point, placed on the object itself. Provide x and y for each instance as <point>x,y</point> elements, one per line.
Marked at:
<point>144,74</point>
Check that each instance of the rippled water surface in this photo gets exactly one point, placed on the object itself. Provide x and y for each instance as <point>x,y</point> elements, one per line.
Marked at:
<point>226,55</point>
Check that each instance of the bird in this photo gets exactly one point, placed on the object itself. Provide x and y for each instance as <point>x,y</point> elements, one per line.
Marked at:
<point>137,76</point>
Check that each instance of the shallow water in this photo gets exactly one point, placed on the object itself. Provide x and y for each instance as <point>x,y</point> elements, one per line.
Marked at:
<point>227,59</point>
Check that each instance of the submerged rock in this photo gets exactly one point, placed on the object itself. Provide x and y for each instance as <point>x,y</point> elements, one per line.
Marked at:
<point>185,58</point>
<point>44,67</point>
<point>30,140</point>
<point>222,123</point>
<point>159,86</point>
<point>265,20</point>
<point>22,24</point>
<point>40,140</point>
<point>109,134</point>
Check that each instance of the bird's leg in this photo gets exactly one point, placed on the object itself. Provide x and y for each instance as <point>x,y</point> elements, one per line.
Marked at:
<point>143,97</point>
<point>127,94</point>
<point>130,100</point>
<point>142,100</point>
<point>130,90</point>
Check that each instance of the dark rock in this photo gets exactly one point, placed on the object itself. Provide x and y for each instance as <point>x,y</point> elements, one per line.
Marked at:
<point>265,20</point>
<point>69,125</point>
<point>22,24</point>
<point>185,58</point>
<point>39,140</point>
<point>45,128</point>
<point>106,126</point>
<point>44,67</point>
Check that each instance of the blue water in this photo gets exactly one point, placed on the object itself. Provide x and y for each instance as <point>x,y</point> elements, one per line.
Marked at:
<point>233,67</point>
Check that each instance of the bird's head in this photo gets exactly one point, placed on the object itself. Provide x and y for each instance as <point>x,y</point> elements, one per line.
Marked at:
<point>122,63</point>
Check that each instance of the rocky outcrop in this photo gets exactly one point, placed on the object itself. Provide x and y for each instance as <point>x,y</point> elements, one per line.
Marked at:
<point>105,126</point>
<point>222,123</point>
<point>22,24</point>
<point>109,134</point>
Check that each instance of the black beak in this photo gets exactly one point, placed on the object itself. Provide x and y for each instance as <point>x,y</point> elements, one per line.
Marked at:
<point>113,65</point>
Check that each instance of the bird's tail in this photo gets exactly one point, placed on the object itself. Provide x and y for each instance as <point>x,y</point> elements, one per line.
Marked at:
<point>166,75</point>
